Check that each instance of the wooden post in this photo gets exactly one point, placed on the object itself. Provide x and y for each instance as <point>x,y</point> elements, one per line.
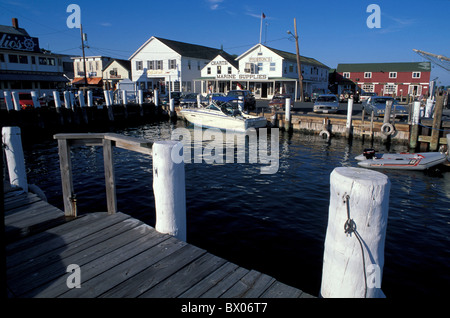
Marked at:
<point>287,116</point>
<point>110,180</point>
<point>172,113</point>
<point>35,99</point>
<point>8,101</point>
<point>169,188</point>
<point>124,98</point>
<point>156,97</point>
<point>67,99</point>
<point>414,134</point>
<point>348,130</point>
<point>140,97</point>
<point>14,156</point>
<point>90,98</point>
<point>107,98</point>
<point>354,244</point>
<point>81,99</point>
<point>437,121</point>
<point>57,100</point>
<point>65,163</point>
<point>387,112</point>
<point>15,97</point>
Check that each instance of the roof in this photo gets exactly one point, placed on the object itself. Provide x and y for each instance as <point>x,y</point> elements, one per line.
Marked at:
<point>288,56</point>
<point>230,59</point>
<point>385,67</point>
<point>185,49</point>
<point>13,30</point>
<point>124,63</point>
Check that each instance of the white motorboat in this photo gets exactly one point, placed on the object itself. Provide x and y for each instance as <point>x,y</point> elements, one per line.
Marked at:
<point>223,115</point>
<point>401,161</point>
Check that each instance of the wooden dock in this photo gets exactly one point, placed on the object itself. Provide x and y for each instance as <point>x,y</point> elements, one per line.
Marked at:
<point>118,257</point>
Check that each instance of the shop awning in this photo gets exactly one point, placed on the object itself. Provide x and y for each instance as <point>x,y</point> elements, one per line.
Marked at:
<point>90,81</point>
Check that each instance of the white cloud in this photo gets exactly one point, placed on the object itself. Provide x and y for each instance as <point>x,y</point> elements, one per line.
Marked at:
<point>214,4</point>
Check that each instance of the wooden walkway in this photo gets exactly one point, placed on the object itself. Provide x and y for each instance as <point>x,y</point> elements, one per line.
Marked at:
<point>118,257</point>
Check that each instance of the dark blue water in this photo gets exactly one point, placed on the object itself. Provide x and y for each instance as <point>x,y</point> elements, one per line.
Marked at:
<point>272,223</point>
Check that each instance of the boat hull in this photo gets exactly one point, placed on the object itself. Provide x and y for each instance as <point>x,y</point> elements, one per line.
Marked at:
<point>402,161</point>
<point>205,118</point>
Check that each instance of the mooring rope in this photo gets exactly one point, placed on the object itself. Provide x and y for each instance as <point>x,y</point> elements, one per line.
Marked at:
<point>349,228</point>
<point>434,128</point>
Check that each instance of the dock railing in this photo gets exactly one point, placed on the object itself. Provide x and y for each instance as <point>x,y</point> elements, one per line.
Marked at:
<point>108,141</point>
<point>168,176</point>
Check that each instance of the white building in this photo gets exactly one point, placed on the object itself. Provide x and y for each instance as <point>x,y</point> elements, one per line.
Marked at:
<point>218,75</point>
<point>266,71</point>
<point>159,63</point>
<point>116,71</point>
<point>24,66</point>
<point>94,70</point>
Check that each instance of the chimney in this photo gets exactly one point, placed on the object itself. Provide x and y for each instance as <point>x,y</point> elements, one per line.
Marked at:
<point>15,23</point>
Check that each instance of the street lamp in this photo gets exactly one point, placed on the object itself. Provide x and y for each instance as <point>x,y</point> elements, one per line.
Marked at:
<point>299,67</point>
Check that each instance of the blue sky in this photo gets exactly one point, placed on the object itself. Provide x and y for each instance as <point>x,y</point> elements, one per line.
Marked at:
<point>332,32</point>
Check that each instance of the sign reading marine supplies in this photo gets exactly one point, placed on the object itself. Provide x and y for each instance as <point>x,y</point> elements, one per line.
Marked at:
<point>19,42</point>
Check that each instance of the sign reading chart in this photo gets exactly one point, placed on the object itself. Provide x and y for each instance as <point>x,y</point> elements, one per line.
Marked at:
<point>19,42</point>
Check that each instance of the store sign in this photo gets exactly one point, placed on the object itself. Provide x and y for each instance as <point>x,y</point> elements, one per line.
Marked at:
<point>19,42</point>
<point>219,63</point>
<point>253,77</point>
<point>260,59</point>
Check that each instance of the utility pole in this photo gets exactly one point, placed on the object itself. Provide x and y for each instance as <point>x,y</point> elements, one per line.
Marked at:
<point>84,58</point>
<point>299,66</point>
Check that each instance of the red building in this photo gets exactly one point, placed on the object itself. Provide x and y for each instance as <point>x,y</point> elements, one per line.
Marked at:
<point>397,79</point>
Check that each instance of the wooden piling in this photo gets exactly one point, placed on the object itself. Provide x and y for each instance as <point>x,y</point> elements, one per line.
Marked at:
<point>287,116</point>
<point>15,159</point>
<point>354,244</point>
<point>414,134</point>
<point>437,121</point>
<point>348,130</point>
<point>169,188</point>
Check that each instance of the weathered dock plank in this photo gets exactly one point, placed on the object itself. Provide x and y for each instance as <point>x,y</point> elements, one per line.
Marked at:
<point>118,256</point>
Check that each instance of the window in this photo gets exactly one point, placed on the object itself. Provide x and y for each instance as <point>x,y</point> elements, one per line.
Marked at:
<point>159,65</point>
<point>260,67</point>
<point>33,60</point>
<point>272,67</point>
<point>219,69</point>
<point>172,64</point>
<point>229,70</point>
<point>150,65</point>
<point>390,89</point>
<point>208,70</point>
<point>392,74</point>
<point>367,74</point>
<point>416,74</point>
<point>189,64</point>
<point>198,65</point>
<point>139,66</point>
<point>346,75</point>
<point>23,59</point>
<point>368,88</point>
<point>2,57</point>
<point>291,68</point>
<point>13,58</point>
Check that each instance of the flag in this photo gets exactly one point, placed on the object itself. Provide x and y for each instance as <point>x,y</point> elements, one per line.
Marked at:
<point>263,15</point>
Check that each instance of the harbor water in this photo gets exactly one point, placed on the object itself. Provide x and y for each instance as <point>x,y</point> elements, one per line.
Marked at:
<point>273,223</point>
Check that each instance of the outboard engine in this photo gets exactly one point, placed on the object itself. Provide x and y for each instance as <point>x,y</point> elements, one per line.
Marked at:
<point>369,153</point>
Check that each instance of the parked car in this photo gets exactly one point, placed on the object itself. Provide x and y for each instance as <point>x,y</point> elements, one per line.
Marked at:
<point>175,95</point>
<point>278,102</point>
<point>249,99</point>
<point>326,103</point>
<point>316,93</point>
<point>189,99</point>
<point>365,96</point>
<point>377,104</point>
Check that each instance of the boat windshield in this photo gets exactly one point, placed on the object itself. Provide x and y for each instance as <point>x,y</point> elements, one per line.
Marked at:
<point>227,108</point>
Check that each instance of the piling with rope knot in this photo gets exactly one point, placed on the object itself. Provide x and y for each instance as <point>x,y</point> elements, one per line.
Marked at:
<point>354,244</point>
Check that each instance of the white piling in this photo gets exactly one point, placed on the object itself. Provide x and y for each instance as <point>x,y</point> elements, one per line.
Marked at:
<point>169,188</point>
<point>81,99</point>
<point>287,116</point>
<point>15,97</point>
<point>241,103</point>
<point>124,97</point>
<point>72,100</point>
<point>90,98</point>
<point>140,97</point>
<point>172,107</point>
<point>199,100</point>
<point>67,99</point>
<point>354,244</point>
<point>14,156</point>
<point>8,100</point>
<point>35,99</point>
<point>57,99</point>
<point>348,127</point>
<point>156,97</point>
<point>107,99</point>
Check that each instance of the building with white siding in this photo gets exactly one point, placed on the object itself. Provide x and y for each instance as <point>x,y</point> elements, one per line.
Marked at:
<point>161,63</point>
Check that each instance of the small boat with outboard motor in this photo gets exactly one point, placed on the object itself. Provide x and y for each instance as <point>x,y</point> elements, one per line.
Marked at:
<point>223,115</point>
<point>402,161</point>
